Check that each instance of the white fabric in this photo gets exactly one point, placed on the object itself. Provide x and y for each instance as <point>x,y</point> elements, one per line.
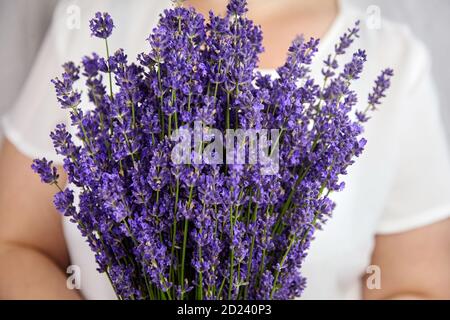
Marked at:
<point>23,25</point>
<point>427,20</point>
<point>401,182</point>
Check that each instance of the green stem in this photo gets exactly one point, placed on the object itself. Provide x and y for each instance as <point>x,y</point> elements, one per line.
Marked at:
<point>109,70</point>
<point>133,116</point>
<point>227,112</point>
<point>252,246</point>
<point>161,102</point>
<point>263,258</point>
<point>230,281</point>
<point>174,231</point>
<point>219,293</point>
<point>185,234</point>
<point>200,275</point>
<point>277,274</point>
<point>286,205</point>
<point>169,125</point>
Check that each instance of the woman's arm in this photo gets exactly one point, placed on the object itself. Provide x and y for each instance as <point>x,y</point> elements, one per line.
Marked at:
<point>33,254</point>
<point>413,264</point>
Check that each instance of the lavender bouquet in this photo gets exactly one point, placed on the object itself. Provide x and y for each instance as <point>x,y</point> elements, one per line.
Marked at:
<point>166,216</point>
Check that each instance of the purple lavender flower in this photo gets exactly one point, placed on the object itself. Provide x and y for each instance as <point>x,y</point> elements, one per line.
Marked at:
<point>45,170</point>
<point>237,7</point>
<point>72,71</point>
<point>382,83</point>
<point>353,69</point>
<point>102,25</point>
<point>64,202</point>
<point>345,41</point>
<point>67,96</point>
<point>62,141</point>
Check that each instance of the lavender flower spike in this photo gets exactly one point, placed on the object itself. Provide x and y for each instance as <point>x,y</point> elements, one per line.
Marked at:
<point>382,83</point>
<point>102,25</point>
<point>45,170</point>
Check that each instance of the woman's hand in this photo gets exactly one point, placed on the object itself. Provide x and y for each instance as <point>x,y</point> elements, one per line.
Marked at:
<point>413,264</point>
<point>33,254</point>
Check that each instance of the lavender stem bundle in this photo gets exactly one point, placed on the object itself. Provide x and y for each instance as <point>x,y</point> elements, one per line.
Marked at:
<point>166,230</point>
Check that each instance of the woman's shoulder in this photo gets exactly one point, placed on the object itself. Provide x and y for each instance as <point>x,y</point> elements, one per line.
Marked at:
<point>390,44</point>
<point>133,20</point>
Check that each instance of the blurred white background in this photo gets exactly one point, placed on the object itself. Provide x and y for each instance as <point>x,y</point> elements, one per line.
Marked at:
<point>23,24</point>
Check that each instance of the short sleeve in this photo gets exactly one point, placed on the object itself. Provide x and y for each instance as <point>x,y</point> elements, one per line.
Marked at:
<point>420,192</point>
<point>28,123</point>
<point>36,112</point>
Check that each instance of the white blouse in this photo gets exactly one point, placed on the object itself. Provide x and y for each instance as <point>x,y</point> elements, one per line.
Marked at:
<point>401,182</point>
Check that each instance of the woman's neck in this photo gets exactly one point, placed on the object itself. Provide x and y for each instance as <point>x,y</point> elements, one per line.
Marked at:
<point>262,9</point>
<point>281,21</point>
